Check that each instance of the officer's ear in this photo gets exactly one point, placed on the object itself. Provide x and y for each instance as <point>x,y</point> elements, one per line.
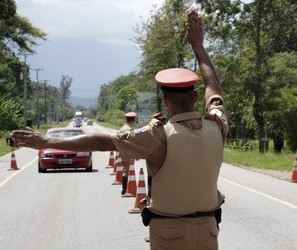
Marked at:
<point>166,102</point>
<point>195,96</point>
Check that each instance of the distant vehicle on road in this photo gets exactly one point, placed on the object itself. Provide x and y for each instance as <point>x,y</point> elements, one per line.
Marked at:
<point>78,119</point>
<point>78,114</point>
<point>77,122</point>
<point>59,159</point>
<point>90,122</point>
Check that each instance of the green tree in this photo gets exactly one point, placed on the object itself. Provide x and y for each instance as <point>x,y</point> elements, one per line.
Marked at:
<point>288,103</point>
<point>16,33</point>
<point>162,40</point>
<point>9,113</point>
<point>253,30</point>
<point>230,70</point>
<point>16,30</point>
<point>103,100</point>
<point>64,89</point>
<point>127,98</point>
<point>281,82</point>
<point>117,94</point>
<point>10,83</point>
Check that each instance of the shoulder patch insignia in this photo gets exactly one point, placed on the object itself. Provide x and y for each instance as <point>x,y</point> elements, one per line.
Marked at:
<point>217,112</point>
<point>140,130</point>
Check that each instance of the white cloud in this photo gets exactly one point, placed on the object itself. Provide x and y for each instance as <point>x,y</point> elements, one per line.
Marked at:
<point>96,19</point>
<point>89,40</point>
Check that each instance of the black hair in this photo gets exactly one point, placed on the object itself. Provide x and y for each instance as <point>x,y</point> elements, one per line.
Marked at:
<point>177,90</point>
<point>130,119</point>
<point>183,100</point>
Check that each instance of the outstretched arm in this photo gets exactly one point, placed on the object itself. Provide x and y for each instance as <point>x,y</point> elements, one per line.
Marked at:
<point>87,142</point>
<point>195,38</point>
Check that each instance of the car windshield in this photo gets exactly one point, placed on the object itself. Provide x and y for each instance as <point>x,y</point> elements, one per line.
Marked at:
<point>64,133</point>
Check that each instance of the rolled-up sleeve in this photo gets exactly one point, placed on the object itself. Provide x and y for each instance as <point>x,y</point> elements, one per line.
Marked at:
<point>216,110</point>
<point>148,142</point>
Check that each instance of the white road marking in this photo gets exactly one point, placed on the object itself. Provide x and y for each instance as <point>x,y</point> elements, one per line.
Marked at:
<point>17,172</point>
<point>260,193</point>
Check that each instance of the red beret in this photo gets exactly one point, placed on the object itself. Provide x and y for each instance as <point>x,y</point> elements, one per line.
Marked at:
<point>176,78</point>
<point>130,114</point>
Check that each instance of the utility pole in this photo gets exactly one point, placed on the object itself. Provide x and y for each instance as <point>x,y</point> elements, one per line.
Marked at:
<point>23,76</point>
<point>37,97</point>
<point>45,101</point>
<point>49,108</point>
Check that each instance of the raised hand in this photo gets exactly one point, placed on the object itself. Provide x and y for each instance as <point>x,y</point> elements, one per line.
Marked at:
<point>194,29</point>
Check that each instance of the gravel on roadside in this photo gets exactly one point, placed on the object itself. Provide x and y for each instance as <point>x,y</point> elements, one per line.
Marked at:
<point>283,175</point>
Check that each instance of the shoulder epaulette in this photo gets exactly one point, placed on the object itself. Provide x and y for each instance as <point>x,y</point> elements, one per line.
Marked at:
<point>155,122</point>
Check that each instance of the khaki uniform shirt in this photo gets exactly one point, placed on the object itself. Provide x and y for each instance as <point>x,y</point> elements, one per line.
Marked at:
<point>150,142</point>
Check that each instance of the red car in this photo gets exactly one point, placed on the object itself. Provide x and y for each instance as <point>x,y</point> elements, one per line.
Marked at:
<point>58,159</point>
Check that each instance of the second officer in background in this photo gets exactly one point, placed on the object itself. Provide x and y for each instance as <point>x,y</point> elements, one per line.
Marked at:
<point>130,121</point>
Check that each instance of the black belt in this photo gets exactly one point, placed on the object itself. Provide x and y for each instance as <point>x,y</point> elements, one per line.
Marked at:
<point>147,215</point>
<point>193,215</point>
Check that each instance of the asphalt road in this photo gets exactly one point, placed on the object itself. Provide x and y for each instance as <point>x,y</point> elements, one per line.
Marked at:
<point>80,210</point>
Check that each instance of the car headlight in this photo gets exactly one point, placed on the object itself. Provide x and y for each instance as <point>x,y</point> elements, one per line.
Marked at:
<point>47,155</point>
<point>83,154</point>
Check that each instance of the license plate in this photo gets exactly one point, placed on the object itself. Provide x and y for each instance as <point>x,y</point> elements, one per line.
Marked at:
<point>65,161</point>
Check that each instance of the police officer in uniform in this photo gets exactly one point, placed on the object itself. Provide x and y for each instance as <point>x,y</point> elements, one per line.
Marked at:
<point>183,157</point>
<point>130,119</point>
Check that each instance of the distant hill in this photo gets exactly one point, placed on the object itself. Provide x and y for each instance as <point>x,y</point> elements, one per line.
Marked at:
<point>83,101</point>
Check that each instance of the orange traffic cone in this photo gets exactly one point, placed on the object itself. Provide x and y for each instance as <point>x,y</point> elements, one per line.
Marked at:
<point>131,185</point>
<point>13,163</point>
<point>111,160</point>
<point>294,172</point>
<point>115,165</point>
<point>119,173</point>
<point>141,194</point>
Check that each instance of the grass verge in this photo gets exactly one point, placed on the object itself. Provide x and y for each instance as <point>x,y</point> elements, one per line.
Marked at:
<point>253,158</point>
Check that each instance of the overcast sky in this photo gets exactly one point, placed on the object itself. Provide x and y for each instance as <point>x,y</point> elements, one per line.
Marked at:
<point>88,40</point>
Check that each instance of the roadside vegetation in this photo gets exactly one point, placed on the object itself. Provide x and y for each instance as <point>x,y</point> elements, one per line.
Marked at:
<point>249,156</point>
